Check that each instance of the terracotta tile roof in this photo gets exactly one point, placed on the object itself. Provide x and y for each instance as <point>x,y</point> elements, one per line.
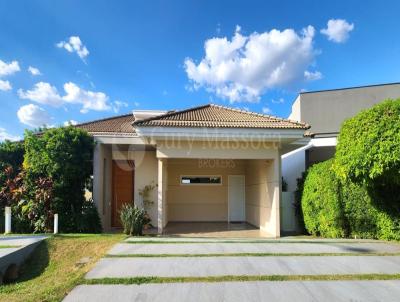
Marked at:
<point>220,117</point>
<point>117,125</point>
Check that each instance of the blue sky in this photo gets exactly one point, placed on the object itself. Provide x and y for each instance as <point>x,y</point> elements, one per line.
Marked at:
<point>126,55</point>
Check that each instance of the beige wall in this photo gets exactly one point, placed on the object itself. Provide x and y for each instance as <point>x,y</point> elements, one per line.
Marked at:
<point>146,173</point>
<point>263,195</point>
<point>102,183</point>
<point>162,190</point>
<point>221,149</point>
<point>326,110</point>
<point>200,202</point>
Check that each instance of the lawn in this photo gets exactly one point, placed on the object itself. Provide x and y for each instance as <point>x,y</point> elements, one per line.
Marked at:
<point>57,266</point>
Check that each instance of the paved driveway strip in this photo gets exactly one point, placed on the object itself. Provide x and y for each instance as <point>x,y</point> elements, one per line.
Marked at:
<point>299,291</point>
<point>239,266</point>
<point>273,248</point>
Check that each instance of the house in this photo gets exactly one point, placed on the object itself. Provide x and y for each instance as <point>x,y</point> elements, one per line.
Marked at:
<point>210,164</point>
<point>325,111</point>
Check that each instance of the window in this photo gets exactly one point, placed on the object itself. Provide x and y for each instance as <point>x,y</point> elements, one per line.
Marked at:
<point>201,180</point>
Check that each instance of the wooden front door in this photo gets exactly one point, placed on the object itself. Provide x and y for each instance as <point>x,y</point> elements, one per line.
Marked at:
<point>123,173</point>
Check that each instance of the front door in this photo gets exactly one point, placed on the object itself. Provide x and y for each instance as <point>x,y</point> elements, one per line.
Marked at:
<point>236,198</point>
<point>123,180</point>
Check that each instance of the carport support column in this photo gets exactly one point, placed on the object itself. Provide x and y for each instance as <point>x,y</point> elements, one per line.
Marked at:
<point>161,194</point>
<point>277,196</point>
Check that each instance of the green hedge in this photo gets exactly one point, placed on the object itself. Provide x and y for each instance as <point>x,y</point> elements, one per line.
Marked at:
<point>321,203</point>
<point>368,149</point>
<point>334,208</point>
<point>360,214</point>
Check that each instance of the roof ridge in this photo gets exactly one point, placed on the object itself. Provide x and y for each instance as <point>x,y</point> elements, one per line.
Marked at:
<point>260,114</point>
<point>350,87</point>
<point>103,119</point>
<point>170,113</point>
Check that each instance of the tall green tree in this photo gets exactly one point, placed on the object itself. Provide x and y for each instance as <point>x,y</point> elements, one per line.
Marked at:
<point>63,155</point>
<point>11,155</point>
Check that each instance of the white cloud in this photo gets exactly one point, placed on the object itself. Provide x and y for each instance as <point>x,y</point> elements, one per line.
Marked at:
<point>117,105</point>
<point>34,71</point>
<point>70,122</point>
<point>338,30</point>
<point>266,110</point>
<point>6,136</point>
<point>34,116</point>
<point>278,101</point>
<point>74,44</point>
<point>8,68</point>
<point>242,68</point>
<point>89,100</point>
<point>44,93</point>
<point>312,76</point>
<point>5,85</point>
<point>137,104</point>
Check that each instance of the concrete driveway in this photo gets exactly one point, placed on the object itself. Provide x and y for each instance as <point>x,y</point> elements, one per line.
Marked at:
<point>222,259</point>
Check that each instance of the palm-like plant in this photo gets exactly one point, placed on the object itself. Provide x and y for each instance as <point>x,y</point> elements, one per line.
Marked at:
<point>132,219</point>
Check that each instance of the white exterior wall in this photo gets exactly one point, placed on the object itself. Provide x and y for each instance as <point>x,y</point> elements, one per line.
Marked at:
<point>293,166</point>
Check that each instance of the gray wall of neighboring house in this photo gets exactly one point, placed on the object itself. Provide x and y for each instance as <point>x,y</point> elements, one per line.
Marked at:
<point>326,110</point>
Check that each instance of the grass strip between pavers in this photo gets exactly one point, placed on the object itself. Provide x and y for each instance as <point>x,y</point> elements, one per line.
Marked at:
<point>229,278</point>
<point>9,246</point>
<point>245,255</point>
<point>244,241</point>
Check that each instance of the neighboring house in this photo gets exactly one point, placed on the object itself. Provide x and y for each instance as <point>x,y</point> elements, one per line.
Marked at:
<point>210,163</point>
<point>325,111</point>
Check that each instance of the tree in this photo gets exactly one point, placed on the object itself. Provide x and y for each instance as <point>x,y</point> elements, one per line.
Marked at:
<point>11,155</point>
<point>63,155</point>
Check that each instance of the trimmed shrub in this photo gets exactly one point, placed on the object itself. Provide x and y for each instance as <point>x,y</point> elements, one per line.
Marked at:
<point>368,151</point>
<point>321,203</point>
<point>297,202</point>
<point>359,211</point>
<point>388,226</point>
<point>334,208</point>
<point>89,220</point>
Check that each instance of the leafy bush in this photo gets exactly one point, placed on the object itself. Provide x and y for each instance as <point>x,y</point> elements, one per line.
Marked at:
<point>133,219</point>
<point>368,146</point>
<point>63,155</point>
<point>334,208</point>
<point>359,210</point>
<point>368,154</point>
<point>11,154</point>
<point>297,202</point>
<point>368,150</point>
<point>321,203</point>
<point>89,220</point>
